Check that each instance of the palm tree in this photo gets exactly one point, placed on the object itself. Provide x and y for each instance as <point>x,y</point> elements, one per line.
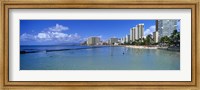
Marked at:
<point>136,42</point>
<point>175,38</point>
<point>165,40</point>
<point>149,39</point>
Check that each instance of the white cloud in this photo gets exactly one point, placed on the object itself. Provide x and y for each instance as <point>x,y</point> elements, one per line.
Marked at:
<point>26,37</point>
<point>53,34</point>
<point>150,30</point>
<point>58,28</point>
<point>100,36</point>
<point>43,37</point>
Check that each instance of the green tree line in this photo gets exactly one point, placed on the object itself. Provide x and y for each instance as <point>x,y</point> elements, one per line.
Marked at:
<point>172,40</point>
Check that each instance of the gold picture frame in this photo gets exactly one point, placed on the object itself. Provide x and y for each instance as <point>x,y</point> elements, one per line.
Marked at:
<point>111,4</point>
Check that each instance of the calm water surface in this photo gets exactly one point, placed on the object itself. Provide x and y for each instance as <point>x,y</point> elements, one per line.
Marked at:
<point>101,58</point>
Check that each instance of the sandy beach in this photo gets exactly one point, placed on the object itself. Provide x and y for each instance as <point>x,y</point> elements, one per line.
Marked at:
<point>141,47</point>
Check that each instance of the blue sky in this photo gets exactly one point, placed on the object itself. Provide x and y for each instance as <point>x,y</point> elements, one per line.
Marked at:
<point>51,32</point>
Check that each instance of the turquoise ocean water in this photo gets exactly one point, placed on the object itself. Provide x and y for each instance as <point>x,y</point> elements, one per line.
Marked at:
<point>60,57</point>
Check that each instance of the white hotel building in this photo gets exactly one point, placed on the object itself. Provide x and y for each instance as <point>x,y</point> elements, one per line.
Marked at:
<point>112,41</point>
<point>93,41</point>
<point>127,38</point>
<point>137,32</point>
<point>123,39</point>
<point>155,36</point>
<point>132,34</point>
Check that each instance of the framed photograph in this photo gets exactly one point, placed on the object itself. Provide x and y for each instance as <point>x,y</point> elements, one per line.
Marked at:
<point>88,44</point>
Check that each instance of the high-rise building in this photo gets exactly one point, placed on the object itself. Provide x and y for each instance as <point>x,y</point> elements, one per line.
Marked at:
<point>93,41</point>
<point>112,41</point>
<point>140,30</point>
<point>155,36</point>
<point>136,33</point>
<point>127,38</point>
<point>156,25</point>
<point>132,34</point>
<point>165,27</point>
<point>121,40</point>
<point>124,40</point>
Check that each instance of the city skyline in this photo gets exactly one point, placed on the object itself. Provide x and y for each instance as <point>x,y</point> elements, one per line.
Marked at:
<point>52,32</point>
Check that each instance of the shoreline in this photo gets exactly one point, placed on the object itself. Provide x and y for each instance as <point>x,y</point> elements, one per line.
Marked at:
<point>141,47</point>
<point>153,47</point>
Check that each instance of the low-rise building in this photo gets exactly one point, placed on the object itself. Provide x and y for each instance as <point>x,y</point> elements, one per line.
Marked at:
<point>93,41</point>
<point>112,41</point>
